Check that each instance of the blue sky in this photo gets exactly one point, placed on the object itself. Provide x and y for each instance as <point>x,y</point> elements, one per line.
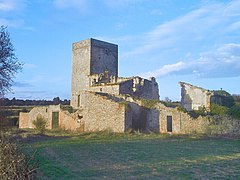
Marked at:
<point>195,41</point>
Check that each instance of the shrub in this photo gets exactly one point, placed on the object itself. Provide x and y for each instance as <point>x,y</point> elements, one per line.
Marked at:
<point>40,124</point>
<point>223,125</point>
<point>218,109</point>
<point>234,111</point>
<point>13,163</point>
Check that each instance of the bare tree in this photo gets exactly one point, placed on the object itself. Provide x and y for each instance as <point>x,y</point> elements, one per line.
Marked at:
<point>9,64</point>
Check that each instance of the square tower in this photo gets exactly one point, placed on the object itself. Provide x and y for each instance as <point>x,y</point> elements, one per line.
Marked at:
<point>90,57</point>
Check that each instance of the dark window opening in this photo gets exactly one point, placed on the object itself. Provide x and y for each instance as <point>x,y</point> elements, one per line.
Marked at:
<point>78,102</point>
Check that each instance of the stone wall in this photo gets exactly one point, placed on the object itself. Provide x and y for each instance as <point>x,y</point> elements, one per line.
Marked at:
<point>104,56</point>
<point>80,69</point>
<point>91,57</point>
<point>195,98</point>
<point>66,120</point>
<point>147,89</point>
<point>126,87</point>
<point>181,121</point>
<point>106,88</point>
<point>24,120</point>
<point>102,112</point>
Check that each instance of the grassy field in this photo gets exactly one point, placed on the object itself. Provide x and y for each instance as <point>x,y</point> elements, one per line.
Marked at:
<point>134,156</point>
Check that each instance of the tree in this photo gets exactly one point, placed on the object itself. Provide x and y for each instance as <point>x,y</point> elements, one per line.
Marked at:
<point>9,64</point>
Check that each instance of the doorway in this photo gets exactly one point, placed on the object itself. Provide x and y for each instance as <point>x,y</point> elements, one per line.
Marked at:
<point>55,120</point>
<point>169,123</point>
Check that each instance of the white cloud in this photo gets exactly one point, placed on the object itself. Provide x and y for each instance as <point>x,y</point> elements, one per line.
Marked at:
<point>7,5</point>
<point>165,70</point>
<point>213,22</point>
<point>11,5</point>
<point>223,61</point>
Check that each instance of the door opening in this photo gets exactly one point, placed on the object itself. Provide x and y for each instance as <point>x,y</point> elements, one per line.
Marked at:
<point>169,123</point>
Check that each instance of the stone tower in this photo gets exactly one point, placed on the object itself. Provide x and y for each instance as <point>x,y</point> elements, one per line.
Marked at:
<point>90,57</point>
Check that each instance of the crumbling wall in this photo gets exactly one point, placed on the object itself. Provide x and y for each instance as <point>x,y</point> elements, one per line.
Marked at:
<point>68,121</point>
<point>101,112</point>
<point>24,120</point>
<point>140,88</point>
<point>28,118</point>
<point>181,122</point>
<point>195,98</point>
<point>106,88</point>
<point>144,88</point>
<point>126,87</point>
<point>144,118</point>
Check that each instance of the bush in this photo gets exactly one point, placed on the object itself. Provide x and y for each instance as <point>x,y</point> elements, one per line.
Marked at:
<point>13,163</point>
<point>234,111</point>
<point>223,125</point>
<point>218,109</point>
<point>40,124</point>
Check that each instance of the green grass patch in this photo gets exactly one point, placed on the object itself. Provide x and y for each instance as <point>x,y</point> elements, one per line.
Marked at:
<point>135,156</point>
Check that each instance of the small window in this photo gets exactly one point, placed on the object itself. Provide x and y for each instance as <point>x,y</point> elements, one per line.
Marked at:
<point>101,89</point>
<point>78,102</point>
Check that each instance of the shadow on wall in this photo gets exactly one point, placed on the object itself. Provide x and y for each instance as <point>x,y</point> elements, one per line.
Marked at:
<point>186,100</point>
<point>144,119</point>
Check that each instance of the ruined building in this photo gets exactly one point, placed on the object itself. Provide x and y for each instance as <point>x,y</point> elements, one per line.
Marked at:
<point>101,100</point>
<point>95,69</point>
<point>197,98</point>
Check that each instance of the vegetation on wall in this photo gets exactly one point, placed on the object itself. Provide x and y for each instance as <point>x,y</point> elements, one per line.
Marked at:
<point>149,103</point>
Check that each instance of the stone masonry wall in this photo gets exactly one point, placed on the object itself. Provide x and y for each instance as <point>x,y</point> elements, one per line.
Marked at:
<point>181,122</point>
<point>66,120</point>
<point>101,113</point>
<point>91,57</point>
<point>24,120</point>
<point>80,69</point>
<point>149,90</point>
<point>104,56</point>
<point>194,98</point>
<point>28,118</point>
<point>107,88</point>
